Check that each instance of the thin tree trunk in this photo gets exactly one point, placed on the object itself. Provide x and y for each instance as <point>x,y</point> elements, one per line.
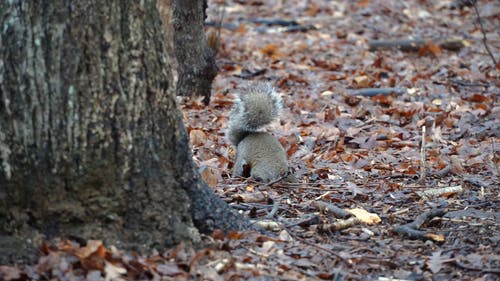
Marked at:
<point>92,144</point>
<point>196,60</point>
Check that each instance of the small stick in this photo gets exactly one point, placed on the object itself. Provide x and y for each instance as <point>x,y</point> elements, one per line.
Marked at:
<point>413,45</point>
<point>338,225</point>
<point>330,208</point>
<point>411,229</point>
<point>484,270</point>
<point>306,222</point>
<point>474,4</point>
<point>422,157</point>
<point>371,92</point>
<point>435,192</point>
<point>494,154</point>
<point>425,217</point>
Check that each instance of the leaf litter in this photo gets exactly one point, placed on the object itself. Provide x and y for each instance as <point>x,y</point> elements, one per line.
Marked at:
<point>351,126</point>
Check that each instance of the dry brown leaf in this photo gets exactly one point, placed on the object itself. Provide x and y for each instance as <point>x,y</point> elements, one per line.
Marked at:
<point>210,175</point>
<point>435,237</point>
<point>273,51</point>
<point>93,246</point>
<point>434,49</point>
<point>92,255</point>
<point>113,272</point>
<point>365,216</point>
<point>362,81</point>
<point>242,29</point>
<point>250,197</point>
<point>363,3</point>
<point>197,137</point>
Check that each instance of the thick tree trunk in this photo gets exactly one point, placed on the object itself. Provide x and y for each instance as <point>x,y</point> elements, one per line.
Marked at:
<point>92,144</point>
<point>196,60</point>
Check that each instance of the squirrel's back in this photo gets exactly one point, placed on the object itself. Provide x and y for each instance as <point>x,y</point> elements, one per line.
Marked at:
<point>254,109</point>
<point>258,154</point>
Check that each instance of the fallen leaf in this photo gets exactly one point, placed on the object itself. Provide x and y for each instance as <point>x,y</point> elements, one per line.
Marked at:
<point>113,272</point>
<point>210,175</point>
<point>8,273</point>
<point>197,137</point>
<point>362,81</point>
<point>365,216</point>
<point>434,263</point>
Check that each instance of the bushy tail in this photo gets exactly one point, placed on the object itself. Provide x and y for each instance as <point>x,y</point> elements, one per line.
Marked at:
<point>258,106</point>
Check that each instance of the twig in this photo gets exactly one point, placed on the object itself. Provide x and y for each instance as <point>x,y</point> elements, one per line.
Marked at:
<point>307,222</point>
<point>281,22</point>
<point>338,225</point>
<point>330,208</point>
<point>468,84</point>
<point>485,43</point>
<point>435,192</point>
<point>427,216</point>
<point>413,45</point>
<point>422,157</point>
<point>485,270</point>
<point>494,155</point>
<point>219,25</point>
<point>411,229</point>
<point>371,92</point>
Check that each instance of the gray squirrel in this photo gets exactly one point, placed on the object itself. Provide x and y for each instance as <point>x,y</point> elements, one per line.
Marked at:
<point>258,154</point>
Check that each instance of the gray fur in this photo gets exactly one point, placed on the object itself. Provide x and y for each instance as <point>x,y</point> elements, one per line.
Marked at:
<point>251,111</point>
<point>261,151</point>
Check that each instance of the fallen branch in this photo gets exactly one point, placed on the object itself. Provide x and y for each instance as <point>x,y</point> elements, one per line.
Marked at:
<point>249,197</point>
<point>338,225</point>
<point>468,84</point>
<point>330,208</point>
<point>412,231</point>
<point>371,92</point>
<point>435,192</point>
<point>280,22</point>
<point>484,270</point>
<point>413,45</point>
<point>306,222</point>
<point>268,25</point>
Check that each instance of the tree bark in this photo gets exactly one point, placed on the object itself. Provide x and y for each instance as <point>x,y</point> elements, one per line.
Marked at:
<point>92,144</point>
<point>197,67</point>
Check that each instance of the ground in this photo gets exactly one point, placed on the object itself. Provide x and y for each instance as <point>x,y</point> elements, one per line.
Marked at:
<point>350,149</point>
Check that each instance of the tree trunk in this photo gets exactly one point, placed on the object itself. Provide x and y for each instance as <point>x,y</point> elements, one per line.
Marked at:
<point>196,60</point>
<point>92,144</point>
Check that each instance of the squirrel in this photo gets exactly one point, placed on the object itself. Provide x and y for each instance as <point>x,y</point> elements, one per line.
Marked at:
<point>258,154</point>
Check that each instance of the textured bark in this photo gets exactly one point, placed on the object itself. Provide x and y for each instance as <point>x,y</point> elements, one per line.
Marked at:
<point>196,60</point>
<point>92,144</point>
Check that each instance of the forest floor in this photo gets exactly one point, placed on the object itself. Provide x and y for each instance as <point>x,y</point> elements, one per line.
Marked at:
<point>352,149</point>
<point>355,150</point>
